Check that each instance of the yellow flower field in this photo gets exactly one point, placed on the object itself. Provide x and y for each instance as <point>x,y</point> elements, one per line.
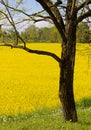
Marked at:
<point>30,81</point>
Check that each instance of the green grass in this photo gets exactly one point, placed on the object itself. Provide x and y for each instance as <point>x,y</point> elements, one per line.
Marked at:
<point>47,119</point>
<point>84,103</point>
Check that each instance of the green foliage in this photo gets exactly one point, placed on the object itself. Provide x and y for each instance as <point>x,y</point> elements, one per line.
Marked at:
<point>0,28</point>
<point>8,36</point>
<point>34,34</point>
<point>84,103</point>
<point>30,34</point>
<point>54,35</point>
<point>0,32</point>
<point>46,34</point>
<point>83,33</point>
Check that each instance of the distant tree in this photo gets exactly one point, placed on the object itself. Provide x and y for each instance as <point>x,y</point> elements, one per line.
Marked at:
<point>45,34</point>
<point>54,35</point>
<point>90,36</point>
<point>83,36</point>
<point>0,33</point>
<point>30,34</point>
<point>0,28</point>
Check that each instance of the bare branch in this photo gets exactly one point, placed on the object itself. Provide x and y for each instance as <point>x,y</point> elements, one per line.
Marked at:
<point>87,2</point>
<point>40,52</point>
<point>11,21</point>
<point>23,12</point>
<point>71,9</point>
<point>85,15</point>
<point>56,17</point>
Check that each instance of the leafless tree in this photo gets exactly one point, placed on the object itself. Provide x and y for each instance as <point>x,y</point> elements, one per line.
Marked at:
<point>65,15</point>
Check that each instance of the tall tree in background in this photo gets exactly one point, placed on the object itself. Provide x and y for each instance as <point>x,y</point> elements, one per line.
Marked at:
<point>66,15</point>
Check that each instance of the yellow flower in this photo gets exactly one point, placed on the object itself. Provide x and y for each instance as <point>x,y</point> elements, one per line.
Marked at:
<point>29,81</point>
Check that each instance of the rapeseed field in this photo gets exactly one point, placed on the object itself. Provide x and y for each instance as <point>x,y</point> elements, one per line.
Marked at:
<point>29,81</point>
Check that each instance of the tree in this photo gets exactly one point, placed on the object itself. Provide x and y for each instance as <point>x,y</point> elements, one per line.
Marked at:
<point>8,36</point>
<point>66,15</point>
<point>0,32</point>
<point>30,34</point>
<point>67,28</point>
<point>43,34</point>
<point>54,35</point>
<point>83,36</point>
<point>35,34</point>
<point>6,14</point>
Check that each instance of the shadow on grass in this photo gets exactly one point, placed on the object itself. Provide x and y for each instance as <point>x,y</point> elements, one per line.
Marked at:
<point>84,103</point>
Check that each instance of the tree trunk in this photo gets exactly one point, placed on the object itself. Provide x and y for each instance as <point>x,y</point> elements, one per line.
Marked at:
<point>66,94</point>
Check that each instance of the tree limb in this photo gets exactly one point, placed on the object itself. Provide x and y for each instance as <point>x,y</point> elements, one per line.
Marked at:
<point>71,9</point>
<point>87,2</point>
<point>11,21</point>
<point>31,16</point>
<point>85,15</point>
<point>40,52</point>
<point>56,17</point>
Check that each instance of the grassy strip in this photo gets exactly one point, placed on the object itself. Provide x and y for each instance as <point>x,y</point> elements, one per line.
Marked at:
<point>46,120</point>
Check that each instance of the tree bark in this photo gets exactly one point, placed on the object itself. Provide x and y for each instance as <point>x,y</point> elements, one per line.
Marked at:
<point>68,34</point>
<point>66,94</point>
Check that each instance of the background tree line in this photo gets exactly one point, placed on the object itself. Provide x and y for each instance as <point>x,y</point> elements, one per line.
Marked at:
<point>47,34</point>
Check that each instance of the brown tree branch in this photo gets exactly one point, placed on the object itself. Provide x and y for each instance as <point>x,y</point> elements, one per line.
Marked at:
<point>23,12</point>
<point>39,52</point>
<point>82,17</point>
<point>43,19</point>
<point>11,21</point>
<point>87,2</point>
<point>58,22</point>
<point>71,9</point>
<point>15,9</point>
<point>55,16</point>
